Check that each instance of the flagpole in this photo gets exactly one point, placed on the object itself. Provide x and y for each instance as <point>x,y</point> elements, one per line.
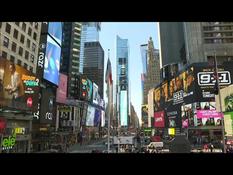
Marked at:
<point>220,103</point>
<point>108,86</point>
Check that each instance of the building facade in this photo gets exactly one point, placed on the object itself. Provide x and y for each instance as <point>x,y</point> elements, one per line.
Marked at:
<point>70,61</point>
<point>93,66</point>
<point>90,33</point>
<point>123,80</point>
<point>19,43</point>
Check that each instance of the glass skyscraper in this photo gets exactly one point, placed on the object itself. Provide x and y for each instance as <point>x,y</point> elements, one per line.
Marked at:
<point>90,33</point>
<point>123,80</point>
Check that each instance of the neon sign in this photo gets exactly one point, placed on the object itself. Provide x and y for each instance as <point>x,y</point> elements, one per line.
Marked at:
<point>9,142</point>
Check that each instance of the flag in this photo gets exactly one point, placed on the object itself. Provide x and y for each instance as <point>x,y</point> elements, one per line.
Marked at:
<point>108,75</point>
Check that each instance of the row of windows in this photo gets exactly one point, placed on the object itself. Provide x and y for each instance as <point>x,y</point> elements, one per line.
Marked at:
<point>218,34</point>
<point>15,33</point>
<point>218,41</point>
<point>19,62</point>
<point>20,51</point>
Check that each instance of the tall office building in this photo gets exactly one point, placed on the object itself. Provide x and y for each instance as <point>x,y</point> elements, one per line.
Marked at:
<point>90,33</point>
<point>190,42</point>
<point>123,80</point>
<point>150,76</point>
<point>204,39</point>
<point>19,43</point>
<point>70,61</point>
<point>93,66</point>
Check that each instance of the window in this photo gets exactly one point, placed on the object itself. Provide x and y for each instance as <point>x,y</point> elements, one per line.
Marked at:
<point>31,68</point>
<point>22,39</point>
<point>25,65</point>
<point>32,58</point>
<point>26,54</point>
<point>13,46</point>
<point>36,25</point>
<point>20,51</point>
<point>17,23</point>
<point>15,35</point>
<point>24,27</point>
<point>34,36</point>
<point>8,28</point>
<point>12,59</point>
<point>6,41</point>
<point>29,31</point>
<point>33,47</point>
<point>28,43</point>
<point>4,54</point>
<point>19,62</point>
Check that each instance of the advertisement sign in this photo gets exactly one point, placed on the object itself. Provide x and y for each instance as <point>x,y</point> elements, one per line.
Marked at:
<point>171,131</point>
<point>2,124</point>
<point>228,123</point>
<point>159,119</point>
<point>151,103</point>
<point>52,61</point>
<point>18,87</point>
<point>208,114</point>
<point>55,30</point>
<point>89,90</point>
<point>47,109</point>
<point>95,93</point>
<point>90,116</point>
<point>102,118</point>
<point>144,111</point>
<point>8,142</point>
<point>123,108</point>
<point>62,89</point>
<point>97,118</point>
<point>226,99</point>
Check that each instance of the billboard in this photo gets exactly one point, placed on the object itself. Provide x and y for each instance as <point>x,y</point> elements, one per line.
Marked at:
<point>123,108</point>
<point>151,103</point>
<point>97,118</point>
<point>159,119</point>
<point>47,109</point>
<point>52,61</point>
<point>90,116</point>
<point>62,89</point>
<point>89,90</point>
<point>144,111</point>
<point>95,93</point>
<point>18,87</point>
<point>228,123</point>
<point>55,30</point>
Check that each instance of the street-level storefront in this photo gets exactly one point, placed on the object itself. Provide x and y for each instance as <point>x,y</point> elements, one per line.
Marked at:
<point>16,135</point>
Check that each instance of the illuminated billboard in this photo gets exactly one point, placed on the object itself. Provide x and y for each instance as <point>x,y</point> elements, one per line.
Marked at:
<point>90,116</point>
<point>18,87</point>
<point>62,89</point>
<point>123,108</point>
<point>95,94</point>
<point>52,61</point>
<point>55,30</point>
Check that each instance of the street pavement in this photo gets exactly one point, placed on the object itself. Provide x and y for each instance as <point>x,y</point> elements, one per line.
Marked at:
<point>87,148</point>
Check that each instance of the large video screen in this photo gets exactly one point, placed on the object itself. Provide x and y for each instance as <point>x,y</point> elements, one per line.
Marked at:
<point>95,94</point>
<point>18,87</point>
<point>90,116</point>
<point>55,30</point>
<point>52,61</point>
<point>123,108</point>
<point>62,89</point>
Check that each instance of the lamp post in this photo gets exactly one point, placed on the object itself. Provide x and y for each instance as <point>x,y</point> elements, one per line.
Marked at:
<point>220,103</point>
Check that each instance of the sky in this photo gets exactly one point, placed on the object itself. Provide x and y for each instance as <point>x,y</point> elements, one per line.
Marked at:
<point>137,33</point>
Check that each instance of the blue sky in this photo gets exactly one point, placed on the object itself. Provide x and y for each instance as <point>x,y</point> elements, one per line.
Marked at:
<point>137,33</point>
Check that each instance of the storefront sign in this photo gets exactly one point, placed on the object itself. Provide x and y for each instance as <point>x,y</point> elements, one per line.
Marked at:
<point>20,130</point>
<point>171,131</point>
<point>208,114</point>
<point>8,142</point>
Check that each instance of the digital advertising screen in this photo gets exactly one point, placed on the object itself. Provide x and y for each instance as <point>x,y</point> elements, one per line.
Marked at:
<point>62,89</point>
<point>123,108</point>
<point>97,118</point>
<point>89,89</point>
<point>52,61</point>
<point>18,87</point>
<point>95,94</point>
<point>90,116</point>
<point>228,123</point>
<point>55,30</point>
<point>151,103</point>
<point>102,118</point>
<point>159,121</point>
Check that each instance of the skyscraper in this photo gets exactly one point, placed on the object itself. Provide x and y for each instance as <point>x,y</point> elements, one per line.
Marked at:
<point>93,66</point>
<point>190,42</point>
<point>71,54</point>
<point>150,77</point>
<point>123,80</point>
<point>90,33</point>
